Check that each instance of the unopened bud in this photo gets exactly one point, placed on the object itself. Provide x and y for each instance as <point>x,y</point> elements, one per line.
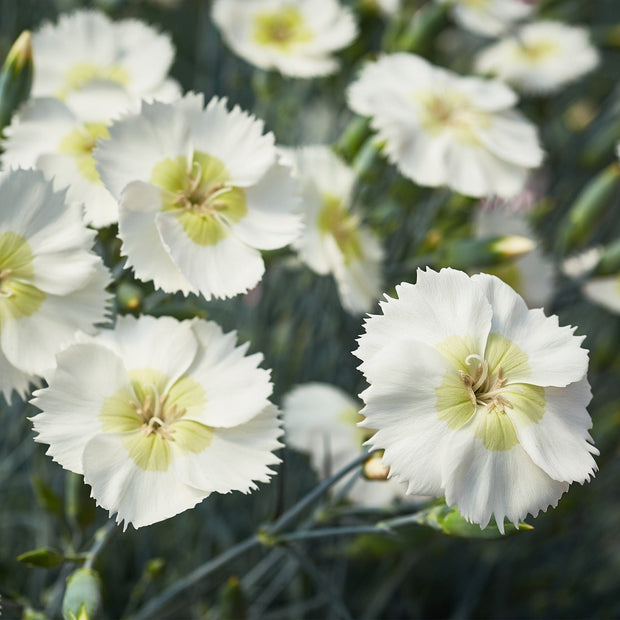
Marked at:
<point>589,207</point>
<point>82,599</point>
<point>374,469</point>
<point>16,77</point>
<point>491,251</point>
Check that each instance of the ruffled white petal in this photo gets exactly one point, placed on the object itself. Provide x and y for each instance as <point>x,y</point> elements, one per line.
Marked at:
<point>554,355</point>
<point>425,313</point>
<point>559,443</point>
<point>141,241</point>
<point>401,403</point>
<point>163,344</point>
<point>138,142</point>
<point>236,458</point>
<point>224,269</point>
<point>13,379</point>
<point>484,483</point>
<point>236,389</point>
<point>271,220</point>
<point>137,496</point>
<point>604,291</point>
<point>86,375</point>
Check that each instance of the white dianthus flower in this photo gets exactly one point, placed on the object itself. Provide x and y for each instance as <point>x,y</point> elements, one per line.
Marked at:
<point>540,57</point>
<point>489,17</point>
<point>333,240</point>
<point>320,420</point>
<point>440,128</point>
<point>295,37</point>
<point>86,46</point>
<point>475,397</point>
<point>158,414</point>
<point>200,193</point>
<point>47,134</point>
<point>51,284</point>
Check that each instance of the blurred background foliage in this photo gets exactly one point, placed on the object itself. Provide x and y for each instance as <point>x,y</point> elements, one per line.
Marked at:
<point>568,566</point>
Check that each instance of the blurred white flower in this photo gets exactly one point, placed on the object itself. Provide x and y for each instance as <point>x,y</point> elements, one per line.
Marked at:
<point>440,128</point>
<point>532,275</point>
<point>295,37</point>
<point>86,46</point>
<point>540,57</point>
<point>489,17</point>
<point>475,397</point>
<point>157,415</point>
<point>333,240</point>
<point>200,192</point>
<point>320,420</point>
<point>51,284</point>
<point>601,290</point>
<point>48,135</point>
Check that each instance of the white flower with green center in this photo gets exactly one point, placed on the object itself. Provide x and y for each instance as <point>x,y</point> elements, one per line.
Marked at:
<point>158,414</point>
<point>541,57</point>
<point>440,128</point>
<point>48,135</point>
<point>489,17</point>
<point>85,46</point>
<point>334,241</point>
<point>321,420</point>
<point>295,37</point>
<point>477,398</point>
<point>51,284</point>
<point>201,192</point>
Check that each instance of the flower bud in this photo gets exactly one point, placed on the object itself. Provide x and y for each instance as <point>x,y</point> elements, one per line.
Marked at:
<point>15,77</point>
<point>82,599</point>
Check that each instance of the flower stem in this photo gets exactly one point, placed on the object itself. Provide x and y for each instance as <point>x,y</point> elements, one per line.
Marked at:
<point>268,536</point>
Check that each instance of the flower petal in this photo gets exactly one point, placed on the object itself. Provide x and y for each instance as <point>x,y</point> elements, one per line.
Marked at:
<point>236,389</point>
<point>425,313</point>
<point>500,483</point>
<point>142,244</point>
<point>236,458</point>
<point>224,269</point>
<point>554,354</point>
<point>401,403</point>
<point>138,496</point>
<point>559,441</point>
<point>86,375</point>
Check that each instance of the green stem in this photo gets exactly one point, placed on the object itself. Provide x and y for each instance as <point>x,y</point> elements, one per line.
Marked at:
<point>328,532</point>
<point>102,537</point>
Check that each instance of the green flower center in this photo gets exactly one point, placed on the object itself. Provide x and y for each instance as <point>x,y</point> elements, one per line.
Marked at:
<point>200,195</point>
<point>18,296</point>
<point>281,29</point>
<point>152,415</point>
<point>478,391</point>
<point>82,73</point>
<point>334,219</point>
<point>80,143</point>
<point>451,111</point>
<point>535,51</point>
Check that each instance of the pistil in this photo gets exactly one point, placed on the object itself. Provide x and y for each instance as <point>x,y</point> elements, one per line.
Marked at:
<point>485,389</point>
<point>156,415</point>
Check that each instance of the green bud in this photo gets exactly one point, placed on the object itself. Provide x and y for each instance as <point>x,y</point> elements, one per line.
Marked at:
<point>129,297</point>
<point>232,601</point>
<point>449,521</point>
<point>591,204</point>
<point>44,557</point>
<point>491,251</point>
<point>82,599</point>
<point>353,137</point>
<point>15,77</point>
<point>423,28</point>
<point>33,614</point>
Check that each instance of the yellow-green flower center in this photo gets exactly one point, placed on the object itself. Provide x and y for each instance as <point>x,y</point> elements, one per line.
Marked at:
<point>334,219</point>
<point>477,390</point>
<point>200,195</point>
<point>281,29</point>
<point>18,296</point>
<point>80,143</point>
<point>81,73</point>
<point>151,415</point>
<point>535,51</point>
<point>451,111</point>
